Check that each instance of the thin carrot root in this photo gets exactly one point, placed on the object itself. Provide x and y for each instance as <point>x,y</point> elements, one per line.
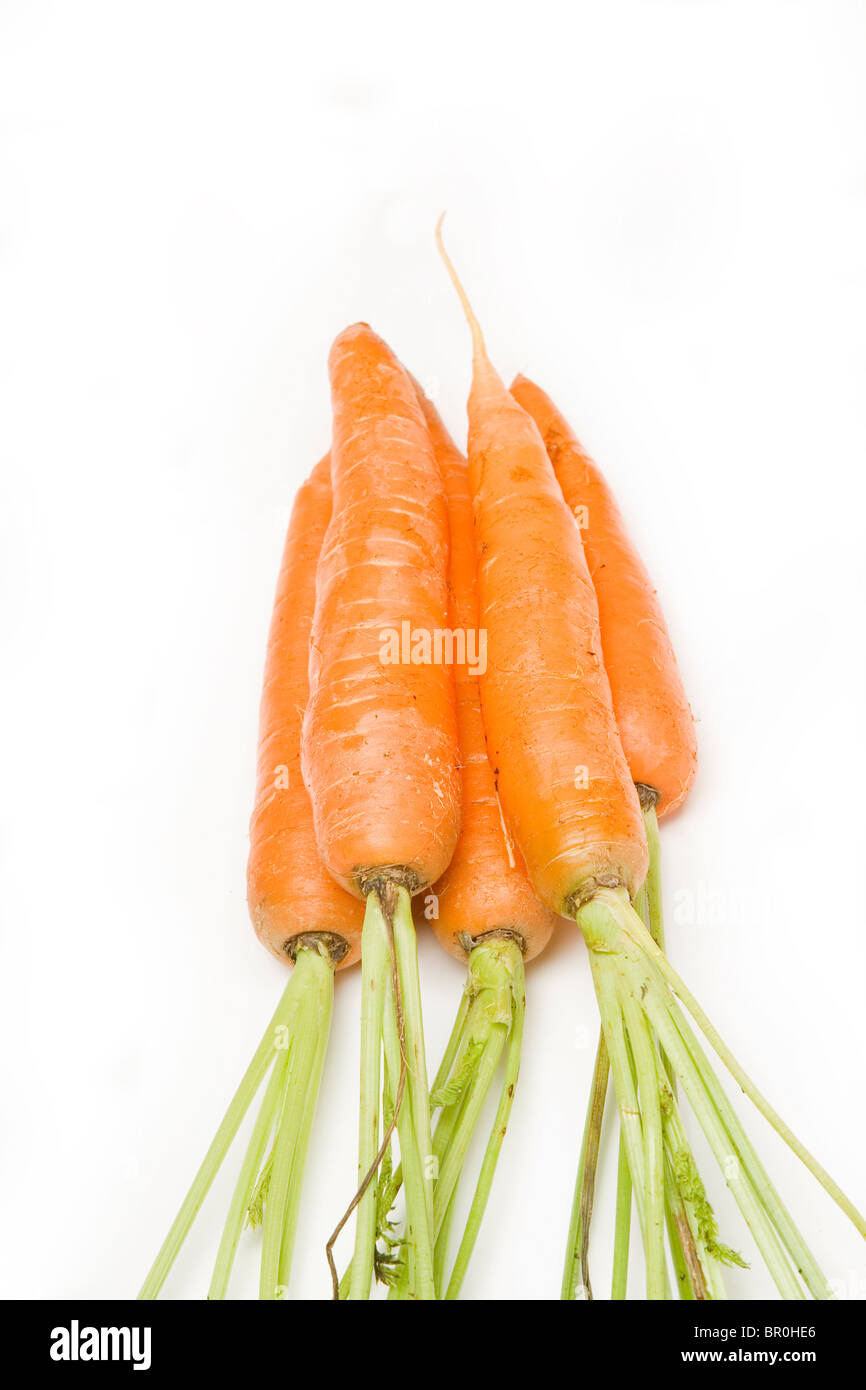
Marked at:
<point>394,1091</point>
<point>268,1189</point>
<point>645,1027</point>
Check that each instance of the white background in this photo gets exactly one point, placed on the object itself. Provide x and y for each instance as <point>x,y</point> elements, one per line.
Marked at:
<point>659,209</point>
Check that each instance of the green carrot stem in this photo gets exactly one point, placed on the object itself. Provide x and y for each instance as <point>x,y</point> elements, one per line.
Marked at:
<point>604,977</point>
<point>679,1236</point>
<point>705,1275</point>
<point>634,928</point>
<point>805,1262</point>
<point>698,1275</point>
<point>375,982</point>
<point>447,1123</point>
<point>450,1094</point>
<point>246,1183</point>
<point>497,1134</point>
<point>575,1276</point>
<point>653,886</point>
<point>649,907</point>
<point>641,906</point>
<point>762,1229</point>
<point>464,1068</point>
<point>619,1280</point>
<point>440,1252</point>
<point>614,930</point>
<point>492,1009</point>
<point>648,903</point>
<point>413,1115</point>
<point>643,1052</point>
<point>406,947</point>
<point>454,1042</point>
<point>622,1225</point>
<point>794,1242</point>
<point>497,986</point>
<point>308,1038</point>
<point>455,1154</point>
<point>238,1106</point>
<point>454,1060</point>
<point>401,1282</point>
<point>313,1021</point>
<point>695,1271</point>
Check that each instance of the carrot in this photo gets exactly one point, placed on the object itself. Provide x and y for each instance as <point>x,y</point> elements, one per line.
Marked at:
<point>652,713</point>
<point>563,780</point>
<point>288,890</point>
<point>302,916</point>
<point>546,707</point>
<point>380,749</point>
<point>380,737</point>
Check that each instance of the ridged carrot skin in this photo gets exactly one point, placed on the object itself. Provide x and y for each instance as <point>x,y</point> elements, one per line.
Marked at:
<point>289,891</point>
<point>485,888</point>
<point>563,780</point>
<point>380,736</point>
<point>653,714</point>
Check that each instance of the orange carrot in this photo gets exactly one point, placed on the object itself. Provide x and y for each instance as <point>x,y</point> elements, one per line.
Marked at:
<point>380,735</point>
<point>652,712</point>
<point>290,894</point>
<point>563,780</point>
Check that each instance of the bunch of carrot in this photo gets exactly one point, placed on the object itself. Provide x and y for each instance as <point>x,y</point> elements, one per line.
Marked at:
<point>501,796</point>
